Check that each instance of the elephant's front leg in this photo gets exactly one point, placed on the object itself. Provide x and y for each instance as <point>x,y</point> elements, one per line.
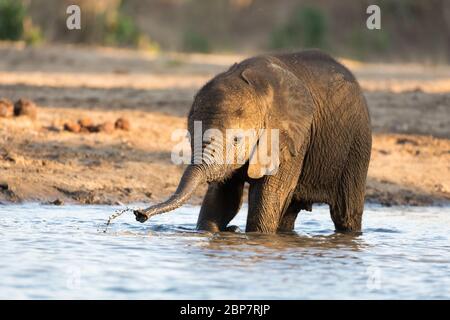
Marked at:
<point>220,205</point>
<point>269,198</point>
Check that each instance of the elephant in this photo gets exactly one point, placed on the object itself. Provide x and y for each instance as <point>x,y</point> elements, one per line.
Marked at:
<point>325,139</point>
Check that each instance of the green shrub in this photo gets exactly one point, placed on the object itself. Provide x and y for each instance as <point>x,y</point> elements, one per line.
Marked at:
<point>365,43</point>
<point>306,28</point>
<point>195,42</point>
<point>121,30</point>
<point>12,14</point>
<point>32,34</point>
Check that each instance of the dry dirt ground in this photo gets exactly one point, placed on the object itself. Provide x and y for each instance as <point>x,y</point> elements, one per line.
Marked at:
<point>409,105</point>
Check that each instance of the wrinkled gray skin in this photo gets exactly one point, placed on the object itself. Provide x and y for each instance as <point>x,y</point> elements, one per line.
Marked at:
<point>325,143</point>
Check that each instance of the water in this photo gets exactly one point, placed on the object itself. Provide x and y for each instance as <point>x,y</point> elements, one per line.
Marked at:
<point>50,252</point>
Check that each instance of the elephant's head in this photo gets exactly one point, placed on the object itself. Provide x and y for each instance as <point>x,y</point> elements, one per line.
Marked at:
<point>227,119</point>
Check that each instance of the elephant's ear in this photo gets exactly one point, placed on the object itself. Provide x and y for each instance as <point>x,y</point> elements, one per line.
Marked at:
<point>291,106</point>
<point>265,156</point>
<point>292,109</point>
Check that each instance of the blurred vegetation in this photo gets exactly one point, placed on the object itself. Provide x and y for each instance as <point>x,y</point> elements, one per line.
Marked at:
<point>364,42</point>
<point>306,28</point>
<point>120,29</point>
<point>16,24</point>
<point>12,15</point>
<point>195,42</point>
<point>32,34</point>
<point>411,30</point>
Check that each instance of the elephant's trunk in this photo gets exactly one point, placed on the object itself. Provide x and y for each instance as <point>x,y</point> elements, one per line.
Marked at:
<point>192,177</point>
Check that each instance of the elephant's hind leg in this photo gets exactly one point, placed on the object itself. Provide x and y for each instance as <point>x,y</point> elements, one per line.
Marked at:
<point>220,205</point>
<point>347,217</point>
<point>347,209</point>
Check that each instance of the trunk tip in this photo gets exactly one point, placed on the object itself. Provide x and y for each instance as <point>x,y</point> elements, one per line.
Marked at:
<point>140,216</point>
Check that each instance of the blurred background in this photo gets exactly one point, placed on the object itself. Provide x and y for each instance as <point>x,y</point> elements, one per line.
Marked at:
<point>412,30</point>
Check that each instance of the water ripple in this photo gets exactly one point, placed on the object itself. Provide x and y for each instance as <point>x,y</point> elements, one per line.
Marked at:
<point>63,252</point>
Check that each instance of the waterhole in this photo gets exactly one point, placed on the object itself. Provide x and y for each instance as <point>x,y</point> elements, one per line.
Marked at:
<point>51,252</point>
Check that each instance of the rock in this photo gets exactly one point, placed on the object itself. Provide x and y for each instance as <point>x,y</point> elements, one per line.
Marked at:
<point>85,122</point>
<point>4,185</point>
<point>93,128</point>
<point>85,129</point>
<point>122,124</point>
<point>72,127</point>
<point>13,157</point>
<point>6,108</point>
<point>407,141</point>
<point>25,107</point>
<point>106,127</point>
<point>53,128</point>
<point>86,125</point>
<point>57,202</point>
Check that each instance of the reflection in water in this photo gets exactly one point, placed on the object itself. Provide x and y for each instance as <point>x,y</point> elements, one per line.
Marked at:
<point>297,243</point>
<point>62,252</point>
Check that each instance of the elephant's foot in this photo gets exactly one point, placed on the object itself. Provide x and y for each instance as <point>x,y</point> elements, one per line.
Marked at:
<point>233,229</point>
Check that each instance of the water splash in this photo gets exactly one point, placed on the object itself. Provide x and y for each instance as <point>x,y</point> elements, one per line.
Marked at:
<point>117,214</point>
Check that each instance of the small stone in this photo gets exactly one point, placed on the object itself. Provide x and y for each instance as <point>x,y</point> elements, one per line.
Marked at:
<point>85,129</point>
<point>85,122</point>
<point>13,157</point>
<point>407,141</point>
<point>93,128</point>
<point>53,128</point>
<point>72,127</point>
<point>57,202</point>
<point>106,127</point>
<point>25,107</point>
<point>128,190</point>
<point>123,124</point>
<point>4,185</point>
<point>6,108</point>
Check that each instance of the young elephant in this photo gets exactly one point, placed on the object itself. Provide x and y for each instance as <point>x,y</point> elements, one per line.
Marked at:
<point>324,142</point>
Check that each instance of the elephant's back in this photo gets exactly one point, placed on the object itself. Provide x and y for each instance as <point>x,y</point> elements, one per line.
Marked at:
<point>315,66</point>
<point>332,85</point>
